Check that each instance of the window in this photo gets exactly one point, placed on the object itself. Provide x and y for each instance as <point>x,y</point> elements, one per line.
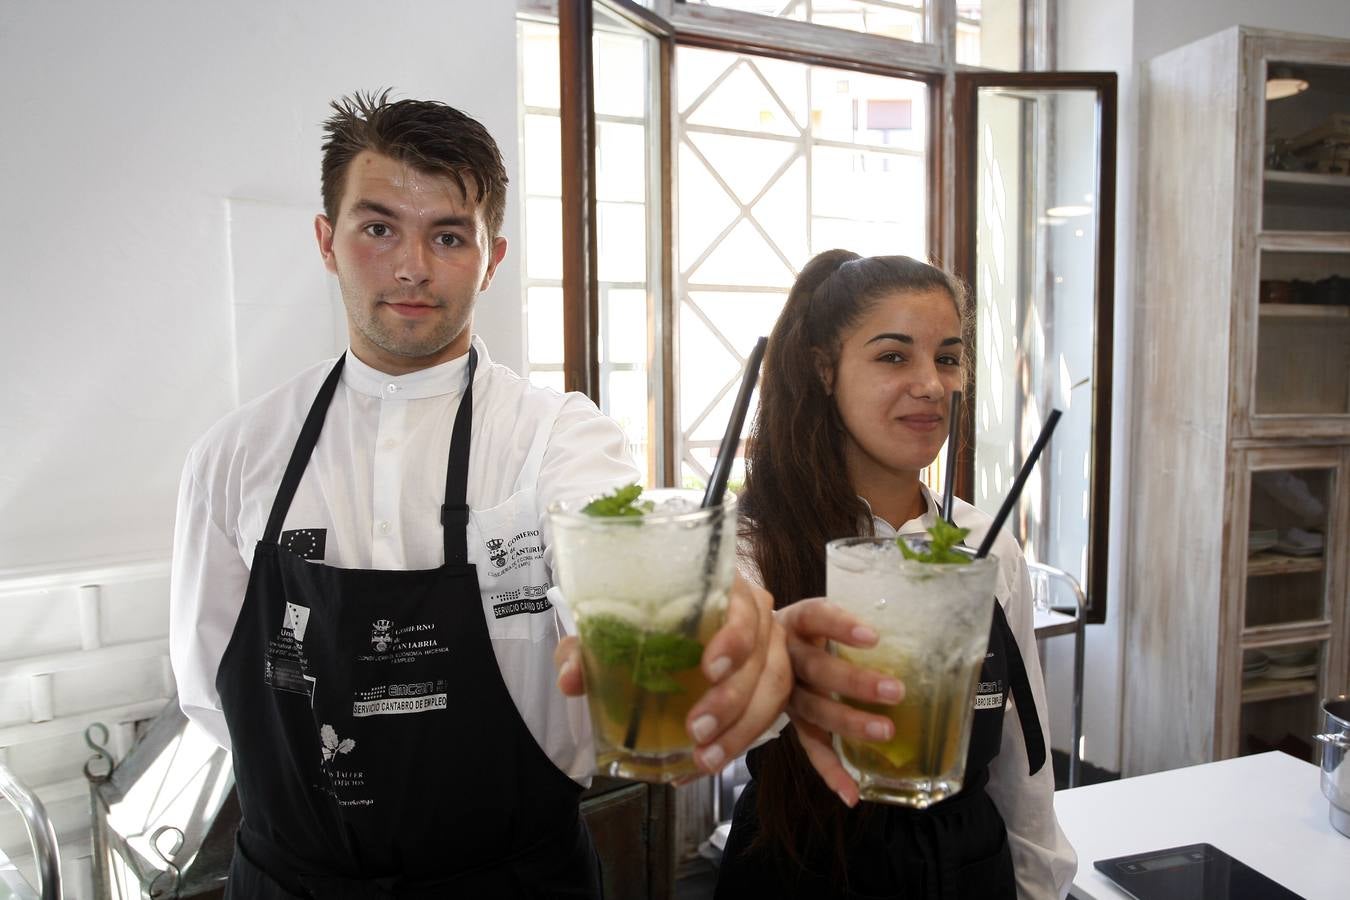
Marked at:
<point>624,204</point>
<point>777,161</point>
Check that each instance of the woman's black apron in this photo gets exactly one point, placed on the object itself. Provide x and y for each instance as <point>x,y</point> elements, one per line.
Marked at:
<point>377,751</point>
<point>956,849</point>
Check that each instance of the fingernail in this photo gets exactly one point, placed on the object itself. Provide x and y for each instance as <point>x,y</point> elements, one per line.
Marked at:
<point>890,690</point>
<point>703,728</point>
<point>864,635</point>
<point>565,671</point>
<point>712,758</point>
<point>877,731</point>
<point>719,667</point>
<point>847,801</point>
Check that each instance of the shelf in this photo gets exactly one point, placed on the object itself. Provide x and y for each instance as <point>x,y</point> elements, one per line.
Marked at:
<point>1263,564</point>
<point>1283,634</point>
<point>1307,189</point>
<point>1261,689</point>
<point>1303,311</point>
<point>1304,241</point>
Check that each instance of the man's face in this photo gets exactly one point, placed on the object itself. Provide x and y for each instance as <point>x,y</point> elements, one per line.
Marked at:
<point>411,253</point>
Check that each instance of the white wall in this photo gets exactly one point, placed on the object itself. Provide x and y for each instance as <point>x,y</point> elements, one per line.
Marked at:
<point>1162,25</point>
<point>131,129</point>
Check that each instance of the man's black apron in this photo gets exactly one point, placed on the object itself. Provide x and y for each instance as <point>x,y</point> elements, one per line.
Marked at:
<point>956,849</point>
<point>377,751</point>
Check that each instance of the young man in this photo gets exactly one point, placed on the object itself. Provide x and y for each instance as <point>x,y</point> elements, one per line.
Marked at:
<point>358,604</point>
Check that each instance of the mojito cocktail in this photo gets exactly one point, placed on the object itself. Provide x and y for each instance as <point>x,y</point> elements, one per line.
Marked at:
<point>934,622</point>
<point>647,590</point>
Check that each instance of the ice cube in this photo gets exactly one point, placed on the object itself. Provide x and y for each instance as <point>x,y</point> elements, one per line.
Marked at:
<point>674,506</point>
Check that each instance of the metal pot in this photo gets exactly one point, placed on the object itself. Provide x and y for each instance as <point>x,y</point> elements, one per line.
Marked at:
<point>1335,742</point>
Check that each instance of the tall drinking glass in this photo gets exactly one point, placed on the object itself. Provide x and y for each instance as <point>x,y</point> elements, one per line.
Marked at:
<point>647,593</point>
<point>934,621</point>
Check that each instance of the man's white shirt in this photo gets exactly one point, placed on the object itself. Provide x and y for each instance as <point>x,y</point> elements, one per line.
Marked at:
<point>371,497</point>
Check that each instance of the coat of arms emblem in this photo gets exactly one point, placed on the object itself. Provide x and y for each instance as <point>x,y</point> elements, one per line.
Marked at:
<point>381,635</point>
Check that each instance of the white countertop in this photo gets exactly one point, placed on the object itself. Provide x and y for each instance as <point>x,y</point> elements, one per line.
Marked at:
<point>1266,810</point>
<point>1050,622</point>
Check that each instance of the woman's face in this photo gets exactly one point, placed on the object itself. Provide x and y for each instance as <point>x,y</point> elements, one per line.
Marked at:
<point>892,384</point>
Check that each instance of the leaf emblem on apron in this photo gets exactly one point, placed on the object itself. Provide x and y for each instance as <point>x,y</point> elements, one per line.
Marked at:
<point>332,746</point>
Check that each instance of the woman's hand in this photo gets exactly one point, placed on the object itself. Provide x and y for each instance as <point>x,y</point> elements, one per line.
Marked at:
<point>747,663</point>
<point>809,624</point>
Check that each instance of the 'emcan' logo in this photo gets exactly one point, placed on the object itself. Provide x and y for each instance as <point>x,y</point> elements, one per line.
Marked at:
<point>381,635</point>
<point>496,552</point>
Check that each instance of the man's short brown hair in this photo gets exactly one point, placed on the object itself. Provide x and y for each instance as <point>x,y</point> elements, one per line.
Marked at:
<point>427,135</point>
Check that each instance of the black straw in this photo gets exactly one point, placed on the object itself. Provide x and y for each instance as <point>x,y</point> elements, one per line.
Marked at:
<point>949,468</point>
<point>731,438</point>
<point>1011,500</point>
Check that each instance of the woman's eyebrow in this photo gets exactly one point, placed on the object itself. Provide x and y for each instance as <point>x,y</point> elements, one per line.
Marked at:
<point>890,336</point>
<point>906,339</point>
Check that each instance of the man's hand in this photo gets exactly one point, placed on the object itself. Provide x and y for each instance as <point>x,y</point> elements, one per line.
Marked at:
<point>809,623</point>
<point>747,663</point>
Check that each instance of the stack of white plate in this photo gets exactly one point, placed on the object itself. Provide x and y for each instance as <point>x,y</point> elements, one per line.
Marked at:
<point>1292,662</point>
<point>1298,542</point>
<point>1259,539</point>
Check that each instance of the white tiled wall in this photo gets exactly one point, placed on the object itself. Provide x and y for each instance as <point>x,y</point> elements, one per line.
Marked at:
<point>78,645</point>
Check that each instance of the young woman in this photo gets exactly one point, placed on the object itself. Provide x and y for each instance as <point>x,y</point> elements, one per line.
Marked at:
<point>854,403</point>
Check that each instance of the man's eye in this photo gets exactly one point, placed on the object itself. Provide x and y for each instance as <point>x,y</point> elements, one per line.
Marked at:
<point>377,229</point>
<point>448,240</point>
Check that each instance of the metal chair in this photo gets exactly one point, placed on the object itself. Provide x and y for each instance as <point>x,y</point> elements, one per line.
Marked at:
<point>1052,619</point>
<point>41,835</point>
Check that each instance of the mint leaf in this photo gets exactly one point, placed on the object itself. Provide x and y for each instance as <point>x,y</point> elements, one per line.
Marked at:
<point>620,502</point>
<point>610,639</point>
<point>654,658</point>
<point>942,537</point>
<point>660,657</point>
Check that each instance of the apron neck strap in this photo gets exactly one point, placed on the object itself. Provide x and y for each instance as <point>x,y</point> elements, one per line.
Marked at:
<point>455,512</point>
<point>309,437</point>
<point>1020,685</point>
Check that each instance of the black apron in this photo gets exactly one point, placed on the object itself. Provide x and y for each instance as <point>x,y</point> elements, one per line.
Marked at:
<point>377,751</point>
<point>956,849</point>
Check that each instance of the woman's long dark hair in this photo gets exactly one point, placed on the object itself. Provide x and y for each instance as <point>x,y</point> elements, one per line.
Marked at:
<point>797,497</point>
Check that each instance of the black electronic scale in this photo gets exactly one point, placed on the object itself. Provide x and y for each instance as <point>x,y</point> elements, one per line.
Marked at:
<point>1193,872</point>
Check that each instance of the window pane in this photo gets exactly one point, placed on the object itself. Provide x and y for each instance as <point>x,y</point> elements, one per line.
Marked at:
<point>624,319</point>
<point>622,240</point>
<point>869,109</point>
<point>871,203</point>
<point>621,162</point>
<point>989,33</point>
<point>544,323</point>
<point>543,237</point>
<point>539,64</point>
<point>620,74</point>
<point>902,19</point>
<point>625,394</point>
<point>543,169</point>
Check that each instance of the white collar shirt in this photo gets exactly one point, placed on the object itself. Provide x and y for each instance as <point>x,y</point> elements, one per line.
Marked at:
<point>371,498</point>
